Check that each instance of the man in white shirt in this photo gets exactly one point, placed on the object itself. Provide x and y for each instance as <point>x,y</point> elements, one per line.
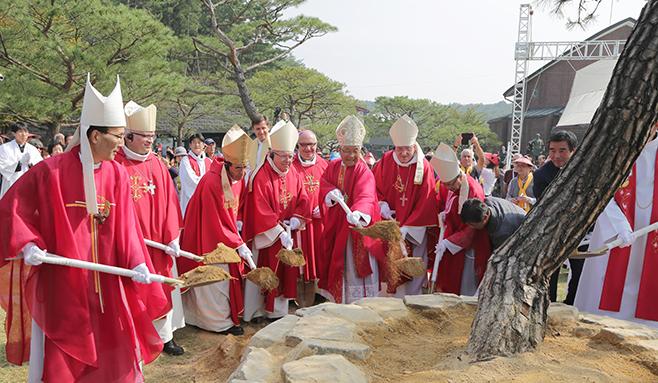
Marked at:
<point>261,147</point>
<point>16,157</point>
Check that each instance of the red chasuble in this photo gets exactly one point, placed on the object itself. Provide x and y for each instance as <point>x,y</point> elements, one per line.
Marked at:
<point>414,204</point>
<point>92,321</point>
<point>210,220</point>
<point>158,208</point>
<point>358,184</point>
<point>271,200</point>
<point>615,275</point>
<point>449,276</point>
<point>311,236</point>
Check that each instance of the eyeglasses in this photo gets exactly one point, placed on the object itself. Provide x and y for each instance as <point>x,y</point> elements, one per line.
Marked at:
<point>284,156</point>
<point>308,145</point>
<point>119,136</point>
<point>147,136</point>
<point>451,183</point>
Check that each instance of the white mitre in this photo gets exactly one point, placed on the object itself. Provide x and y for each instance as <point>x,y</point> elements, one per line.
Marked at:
<point>140,119</point>
<point>97,110</point>
<point>350,132</point>
<point>445,163</point>
<point>403,133</point>
<point>284,137</point>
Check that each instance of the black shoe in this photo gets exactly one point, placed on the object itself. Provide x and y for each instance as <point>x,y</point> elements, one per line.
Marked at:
<point>258,320</point>
<point>272,320</point>
<point>235,330</point>
<point>172,348</point>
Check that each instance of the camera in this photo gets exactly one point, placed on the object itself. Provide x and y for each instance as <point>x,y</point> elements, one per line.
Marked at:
<point>466,138</point>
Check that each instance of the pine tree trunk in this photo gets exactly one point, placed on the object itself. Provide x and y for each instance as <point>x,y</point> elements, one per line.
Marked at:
<point>245,94</point>
<point>513,299</point>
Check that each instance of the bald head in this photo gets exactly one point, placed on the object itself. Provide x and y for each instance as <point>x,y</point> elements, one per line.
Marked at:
<point>308,145</point>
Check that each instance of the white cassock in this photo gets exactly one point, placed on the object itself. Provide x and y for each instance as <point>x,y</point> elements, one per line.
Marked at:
<point>188,178</point>
<point>609,224</point>
<point>10,156</point>
<point>209,307</point>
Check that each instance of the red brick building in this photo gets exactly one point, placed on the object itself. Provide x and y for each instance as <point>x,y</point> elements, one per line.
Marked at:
<point>547,92</point>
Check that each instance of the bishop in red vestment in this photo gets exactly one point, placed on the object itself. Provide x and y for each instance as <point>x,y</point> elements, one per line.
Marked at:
<point>86,326</point>
<point>277,196</point>
<point>212,219</point>
<point>406,193</point>
<point>347,269</point>
<point>310,167</point>
<point>464,251</point>
<point>158,209</point>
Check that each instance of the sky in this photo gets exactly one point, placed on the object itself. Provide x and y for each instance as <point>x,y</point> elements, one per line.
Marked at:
<point>444,50</point>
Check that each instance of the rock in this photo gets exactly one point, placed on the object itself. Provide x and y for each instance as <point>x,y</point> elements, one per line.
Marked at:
<point>313,309</point>
<point>609,322</point>
<point>559,313</point>
<point>436,306</point>
<point>321,328</point>
<point>650,346</point>
<point>621,335</point>
<point>310,347</point>
<point>322,369</point>
<point>387,308</point>
<point>258,366</point>
<point>274,333</point>
<point>356,314</point>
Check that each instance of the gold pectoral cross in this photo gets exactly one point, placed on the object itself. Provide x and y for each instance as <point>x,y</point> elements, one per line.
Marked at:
<point>311,184</point>
<point>284,198</point>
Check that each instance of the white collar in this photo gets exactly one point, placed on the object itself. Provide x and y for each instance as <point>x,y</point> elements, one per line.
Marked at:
<point>134,156</point>
<point>96,166</point>
<point>279,172</point>
<point>198,158</point>
<point>413,160</point>
<point>306,163</point>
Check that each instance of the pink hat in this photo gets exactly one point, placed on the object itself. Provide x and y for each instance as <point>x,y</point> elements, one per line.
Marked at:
<point>369,158</point>
<point>524,160</point>
<point>492,157</point>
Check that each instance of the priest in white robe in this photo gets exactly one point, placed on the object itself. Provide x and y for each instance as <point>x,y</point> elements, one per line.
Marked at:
<point>16,156</point>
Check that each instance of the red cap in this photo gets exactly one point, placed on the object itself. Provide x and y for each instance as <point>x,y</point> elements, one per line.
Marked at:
<point>524,160</point>
<point>492,157</point>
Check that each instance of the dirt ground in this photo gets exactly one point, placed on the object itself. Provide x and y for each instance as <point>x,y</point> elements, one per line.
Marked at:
<point>421,350</point>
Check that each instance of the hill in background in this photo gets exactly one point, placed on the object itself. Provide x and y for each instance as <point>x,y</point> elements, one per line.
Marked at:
<point>490,111</point>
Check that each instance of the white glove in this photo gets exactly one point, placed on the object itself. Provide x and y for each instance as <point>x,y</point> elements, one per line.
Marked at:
<point>143,274</point>
<point>332,196</point>
<point>316,213</point>
<point>404,230</point>
<point>627,237</point>
<point>239,225</point>
<point>29,250</point>
<point>173,248</point>
<point>244,251</point>
<point>385,210</point>
<point>286,241</point>
<point>353,218</point>
<point>25,160</point>
<point>295,223</point>
<point>440,249</point>
<point>442,216</point>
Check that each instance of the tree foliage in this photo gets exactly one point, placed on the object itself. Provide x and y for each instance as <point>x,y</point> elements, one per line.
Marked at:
<point>436,123</point>
<point>244,26</point>
<point>48,47</point>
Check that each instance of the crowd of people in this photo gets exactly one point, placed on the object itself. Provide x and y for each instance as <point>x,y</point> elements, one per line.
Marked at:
<point>109,192</point>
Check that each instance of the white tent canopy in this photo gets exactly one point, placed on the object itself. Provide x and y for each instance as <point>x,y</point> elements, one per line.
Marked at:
<point>587,91</point>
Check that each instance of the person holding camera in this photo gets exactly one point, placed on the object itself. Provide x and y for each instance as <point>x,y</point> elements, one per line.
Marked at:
<point>467,160</point>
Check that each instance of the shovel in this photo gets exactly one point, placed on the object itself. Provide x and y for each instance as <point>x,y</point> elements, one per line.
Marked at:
<point>435,269</point>
<point>63,261</point>
<point>388,229</point>
<point>222,254</point>
<point>289,256</point>
<point>613,244</point>
<point>182,253</point>
<point>414,267</point>
<point>263,277</point>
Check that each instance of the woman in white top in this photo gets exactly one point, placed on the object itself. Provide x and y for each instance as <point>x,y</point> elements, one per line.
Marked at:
<point>490,173</point>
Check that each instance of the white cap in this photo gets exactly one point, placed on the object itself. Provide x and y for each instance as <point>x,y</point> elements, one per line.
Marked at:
<point>404,132</point>
<point>236,146</point>
<point>284,137</point>
<point>350,132</point>
<point>140,119</point>
<point>445,163</point>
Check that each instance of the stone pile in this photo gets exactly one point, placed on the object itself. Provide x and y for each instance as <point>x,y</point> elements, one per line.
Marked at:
<point>318,344</point>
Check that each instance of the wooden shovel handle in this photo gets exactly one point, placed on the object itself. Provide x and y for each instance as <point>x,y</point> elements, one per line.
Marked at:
<point>435,269</point>
<point>342,204</point>
<point>617,242</point>
<point>63,261</point>
<point>183,253</point>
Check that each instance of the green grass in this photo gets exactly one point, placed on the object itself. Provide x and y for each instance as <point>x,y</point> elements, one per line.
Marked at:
<point>9,373</point>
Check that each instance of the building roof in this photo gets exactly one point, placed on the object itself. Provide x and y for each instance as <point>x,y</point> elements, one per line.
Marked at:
<point>532,113</point>
<point>626,22</point>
